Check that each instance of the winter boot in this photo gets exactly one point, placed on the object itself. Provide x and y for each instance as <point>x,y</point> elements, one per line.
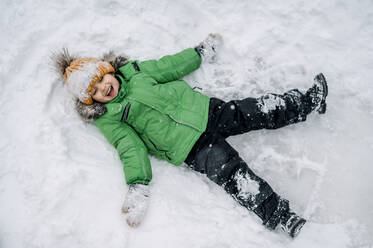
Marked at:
<point>318,93</point>
<point>292,224</point>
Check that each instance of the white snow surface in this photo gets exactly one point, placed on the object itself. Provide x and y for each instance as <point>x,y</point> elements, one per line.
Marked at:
<point>62,184</point>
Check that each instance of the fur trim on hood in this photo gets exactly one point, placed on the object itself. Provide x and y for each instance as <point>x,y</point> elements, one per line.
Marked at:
<point>61,60</point>
<point>90,112</point>
<point>115,61</point>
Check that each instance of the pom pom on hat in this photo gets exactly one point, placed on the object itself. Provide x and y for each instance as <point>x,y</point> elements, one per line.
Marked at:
<point>82,74</point>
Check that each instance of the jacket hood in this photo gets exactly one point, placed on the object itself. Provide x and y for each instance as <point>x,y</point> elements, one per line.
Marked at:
<point>91,112</point>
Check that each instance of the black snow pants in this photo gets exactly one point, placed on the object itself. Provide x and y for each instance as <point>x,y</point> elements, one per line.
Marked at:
<point>213,156</point>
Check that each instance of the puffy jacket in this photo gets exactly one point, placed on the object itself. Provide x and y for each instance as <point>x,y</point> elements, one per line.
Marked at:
<point>155,112</point>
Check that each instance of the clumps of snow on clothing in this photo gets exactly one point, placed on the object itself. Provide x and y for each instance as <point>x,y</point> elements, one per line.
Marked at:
<point>69,192</point>
<point>136,204</point>
<point>316,93</point>
<point>246,187</point>
<point>79,80</point>
<point>210,46</point>
<point>270,102</point>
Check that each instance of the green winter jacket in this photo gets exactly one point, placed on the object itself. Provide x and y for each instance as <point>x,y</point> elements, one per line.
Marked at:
<point>155,112</point>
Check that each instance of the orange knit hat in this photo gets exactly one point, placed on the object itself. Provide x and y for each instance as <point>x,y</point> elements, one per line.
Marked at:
<point>82,74</point>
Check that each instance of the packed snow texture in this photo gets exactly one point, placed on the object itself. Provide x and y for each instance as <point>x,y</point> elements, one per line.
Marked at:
<point>62,184</point>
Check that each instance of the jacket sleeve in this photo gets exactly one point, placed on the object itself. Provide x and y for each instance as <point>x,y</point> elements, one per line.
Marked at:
<point>172,67</point>
<point>131,150</point>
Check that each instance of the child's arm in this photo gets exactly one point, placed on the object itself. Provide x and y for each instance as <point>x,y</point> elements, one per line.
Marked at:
<point>131,150</point>
<point>176,66</point>
<point>171,67</point>
<point>136,166</point>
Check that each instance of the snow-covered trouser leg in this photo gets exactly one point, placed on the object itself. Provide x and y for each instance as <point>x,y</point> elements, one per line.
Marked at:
<point>222,164</point>
<point>213,156</point>
<point>270,111</point>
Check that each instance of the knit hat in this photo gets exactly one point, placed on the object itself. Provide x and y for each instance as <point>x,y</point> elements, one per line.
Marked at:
<point>82,74</point>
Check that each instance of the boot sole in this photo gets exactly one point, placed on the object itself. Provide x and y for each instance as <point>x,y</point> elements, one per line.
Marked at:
<point>297,227</point>
<point>321,78</point>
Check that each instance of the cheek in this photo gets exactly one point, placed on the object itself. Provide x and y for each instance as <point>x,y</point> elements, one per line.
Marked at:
<point>98,96</point>
<point>114,82</point>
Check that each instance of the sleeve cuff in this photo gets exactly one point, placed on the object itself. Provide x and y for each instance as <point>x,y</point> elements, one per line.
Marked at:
<point>199,50</point>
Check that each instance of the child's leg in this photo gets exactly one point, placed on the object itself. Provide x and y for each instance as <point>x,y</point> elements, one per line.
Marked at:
<point>270,111</point>
<point>222,164</point>
<point>213,156</point>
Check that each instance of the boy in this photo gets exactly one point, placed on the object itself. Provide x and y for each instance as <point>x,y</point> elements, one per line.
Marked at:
<point>144,107</point>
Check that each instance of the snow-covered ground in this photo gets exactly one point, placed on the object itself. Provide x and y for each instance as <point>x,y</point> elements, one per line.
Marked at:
<point>62,185</point>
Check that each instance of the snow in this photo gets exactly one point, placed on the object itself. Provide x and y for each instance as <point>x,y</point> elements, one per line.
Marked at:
<point>212,43</point>
<point>62,184</point>
<point>270,102</point>
<point>136,204</point>
<point>79,80</point>
<point>247,188</point>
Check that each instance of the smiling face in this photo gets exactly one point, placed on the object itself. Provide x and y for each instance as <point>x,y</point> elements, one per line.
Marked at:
<point>105,90</point>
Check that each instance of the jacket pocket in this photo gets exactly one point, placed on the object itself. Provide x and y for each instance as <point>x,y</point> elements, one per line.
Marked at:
<point>162,152</point>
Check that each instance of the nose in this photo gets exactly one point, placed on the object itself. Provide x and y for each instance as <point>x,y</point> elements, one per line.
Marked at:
<point>100,86</point>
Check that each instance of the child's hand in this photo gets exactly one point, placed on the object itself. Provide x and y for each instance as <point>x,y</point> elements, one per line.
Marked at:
<point>213,39</point>
<point>136,204</point>
<point>208,48</point>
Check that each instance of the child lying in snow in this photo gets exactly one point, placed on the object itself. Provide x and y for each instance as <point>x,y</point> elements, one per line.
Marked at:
<point>145,107</point>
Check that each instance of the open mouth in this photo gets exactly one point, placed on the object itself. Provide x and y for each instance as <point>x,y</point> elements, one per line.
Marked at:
<point>110,91</point>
